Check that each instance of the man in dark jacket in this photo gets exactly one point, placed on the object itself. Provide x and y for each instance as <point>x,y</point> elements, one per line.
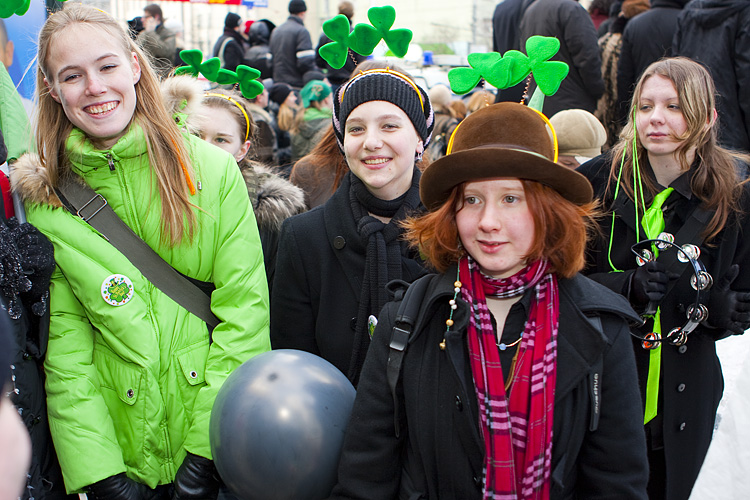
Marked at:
<point>505,37</point>
<point>571,24</point>
<point>646,39</point>
<point>716,33</point>
<point>230,45</point>
<point>336,77</point>
<point>291,47</point>
<point>156,40</point>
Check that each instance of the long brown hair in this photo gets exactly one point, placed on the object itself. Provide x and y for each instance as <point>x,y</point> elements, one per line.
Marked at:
<point>561,230</point>
<point>716,181</point>
<point>166,149</point>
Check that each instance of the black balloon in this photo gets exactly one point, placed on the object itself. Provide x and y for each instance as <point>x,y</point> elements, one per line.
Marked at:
<point>278,424</point>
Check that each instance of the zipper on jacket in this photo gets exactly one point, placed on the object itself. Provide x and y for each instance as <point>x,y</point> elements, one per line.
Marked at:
<point>111,162</point>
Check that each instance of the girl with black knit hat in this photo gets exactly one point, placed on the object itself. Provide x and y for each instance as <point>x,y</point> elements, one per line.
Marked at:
<point>334,262</point>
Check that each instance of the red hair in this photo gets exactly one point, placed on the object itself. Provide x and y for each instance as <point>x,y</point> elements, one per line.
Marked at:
<point>561,229</point>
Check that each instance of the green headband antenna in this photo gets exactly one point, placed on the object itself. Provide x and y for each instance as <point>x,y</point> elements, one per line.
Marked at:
<point>513,68</point>
<point>365,37</point>
<point>245,76</point>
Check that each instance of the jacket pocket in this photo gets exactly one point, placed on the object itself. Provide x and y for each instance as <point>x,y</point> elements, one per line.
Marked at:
<point>192,363</point>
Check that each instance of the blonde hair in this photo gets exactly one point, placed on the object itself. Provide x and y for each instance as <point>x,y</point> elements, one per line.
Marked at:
<point>167,153</point>
<point>716,181</point>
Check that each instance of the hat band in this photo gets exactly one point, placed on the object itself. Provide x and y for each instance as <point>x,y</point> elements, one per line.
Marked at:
<point>387,71</point>
<point>509,147</point>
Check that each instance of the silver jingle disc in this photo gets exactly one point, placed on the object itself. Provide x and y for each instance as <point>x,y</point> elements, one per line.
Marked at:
<point>702,281</point>
<point>666,237</point>
<point>677,336</point>
<point>697,315</point>
<point>692,251</point>
<point>646,256</point>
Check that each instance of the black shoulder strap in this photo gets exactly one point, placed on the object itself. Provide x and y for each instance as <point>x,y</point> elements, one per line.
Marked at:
<point>406,317</point>
<point>90,206</point>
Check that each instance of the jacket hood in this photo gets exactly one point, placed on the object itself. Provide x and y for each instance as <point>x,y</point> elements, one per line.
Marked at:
<point>32,181</point>
<point>711,13</point>
<point>182,97</point>
<point>274,198</point>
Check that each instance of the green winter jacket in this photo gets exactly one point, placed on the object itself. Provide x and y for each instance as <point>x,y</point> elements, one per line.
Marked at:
<point>130,387</point>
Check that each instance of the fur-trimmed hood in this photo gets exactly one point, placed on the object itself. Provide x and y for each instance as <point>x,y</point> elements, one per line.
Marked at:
<point>183,97</point>
<point>274,198</point>
<point>32,181</point>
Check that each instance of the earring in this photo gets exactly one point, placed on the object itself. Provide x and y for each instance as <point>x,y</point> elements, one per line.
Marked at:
<point>418,156</point>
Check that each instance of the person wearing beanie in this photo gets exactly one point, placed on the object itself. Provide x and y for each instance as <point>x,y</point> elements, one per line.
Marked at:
<point>337,76</point>
<point>230,47</point>
<point>282,104</point>
<point>334,262</point>
<point>580,137</point>
<point>157,40</point>
<point>292,53</point>
<point>310,125</point>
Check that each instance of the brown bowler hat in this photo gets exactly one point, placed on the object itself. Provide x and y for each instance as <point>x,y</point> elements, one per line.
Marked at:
<point>502,140</point>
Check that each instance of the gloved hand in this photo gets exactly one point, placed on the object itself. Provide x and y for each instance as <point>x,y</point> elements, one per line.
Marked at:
<point>119,487</point>
<point>37,259</point>
<point>727,309</point>
<point>648,284</point>
<point>196,479</point>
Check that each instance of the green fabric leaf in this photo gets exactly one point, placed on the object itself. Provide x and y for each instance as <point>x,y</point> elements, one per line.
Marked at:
<point>10,7</point>
<point>337,28</point>
<point>364,39</point>
<point>462,80</point>
<point>210,69</point>
<point>549,76</point>
<point>541,48</point>
<point>382,18</point>
<point>248,80</point>
<point>226,77</point>
<point>398,41</point>
<point>334,53</point>
<point>519,67</point>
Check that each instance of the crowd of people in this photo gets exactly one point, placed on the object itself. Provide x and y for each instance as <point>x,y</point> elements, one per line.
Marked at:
<point>527,306</point>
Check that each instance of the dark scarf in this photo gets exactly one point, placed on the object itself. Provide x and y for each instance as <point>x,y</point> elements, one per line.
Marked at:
<point>382,255</point>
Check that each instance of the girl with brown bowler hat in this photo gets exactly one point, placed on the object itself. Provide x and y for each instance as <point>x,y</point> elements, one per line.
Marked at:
<point>518,380</point>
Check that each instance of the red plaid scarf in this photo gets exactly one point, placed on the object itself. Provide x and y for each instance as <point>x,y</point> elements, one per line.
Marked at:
<point>517,433</point>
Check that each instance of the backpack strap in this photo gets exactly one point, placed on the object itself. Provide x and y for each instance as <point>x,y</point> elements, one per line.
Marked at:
<point>595,379</point>
<point>406,317</point>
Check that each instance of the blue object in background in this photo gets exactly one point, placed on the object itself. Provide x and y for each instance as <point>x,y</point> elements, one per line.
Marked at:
<point>23,31</point>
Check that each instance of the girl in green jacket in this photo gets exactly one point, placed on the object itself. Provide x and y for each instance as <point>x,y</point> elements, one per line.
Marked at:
<point>131,375</point>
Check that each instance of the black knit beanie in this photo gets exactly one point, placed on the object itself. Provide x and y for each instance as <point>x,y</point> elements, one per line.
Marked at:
<point>383,85</point>
<point>297,6</point>
<point>232,20</point>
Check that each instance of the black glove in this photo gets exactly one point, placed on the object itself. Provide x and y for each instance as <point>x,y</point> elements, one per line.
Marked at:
<point>648,284</point>
<point>727,309</point>
<point>119,487</point>
<point>196,479</point>
<point>37,259</point>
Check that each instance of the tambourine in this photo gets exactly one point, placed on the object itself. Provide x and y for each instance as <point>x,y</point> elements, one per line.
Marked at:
<point>701,281</point>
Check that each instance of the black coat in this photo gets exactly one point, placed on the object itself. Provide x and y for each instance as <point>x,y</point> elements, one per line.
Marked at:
<point>691,379</point>
<point>505,37</point>
<point>716,33</point>
<point>440,452</point>
<point>571,24</point>
<point>646,39</point>
<point>292,52</point>
<point>319,271</point>
<point>233,53</point>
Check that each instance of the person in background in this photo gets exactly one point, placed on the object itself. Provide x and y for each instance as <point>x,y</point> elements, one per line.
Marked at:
<point>258,55</point>
<point>334,261</point>
<point>311,124</point>
<point>157,40</point>
<point>478,100</point>
<point>459,109</point>
<point>291,47</point>
<point>610,44</point>
<point>569,22</point>
<point>715,33</point>
<point>265,146</point>
<point>175,26</point>
<point>337,77</point>
<point>518,378</point>
<point>667,178</point>
<point>131,375</point>
<point>580,137</point>
<point>445,122</point>
<point>283,103</point>
<point>230,47</point>
<point>506,36</point>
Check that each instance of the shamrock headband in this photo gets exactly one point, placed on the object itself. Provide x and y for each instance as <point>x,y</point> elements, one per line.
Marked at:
<point>365,37</point>
<point>503,71</point>
<point>234,101</point>
<point>245,76</point>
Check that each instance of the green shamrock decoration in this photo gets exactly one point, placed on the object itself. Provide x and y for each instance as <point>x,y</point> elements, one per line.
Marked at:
<point>247,77</point>
<point>336,52</point>
<point>513,68</point>
<point>365,38</point>
<point>194,60</point>
<point>10,7</point>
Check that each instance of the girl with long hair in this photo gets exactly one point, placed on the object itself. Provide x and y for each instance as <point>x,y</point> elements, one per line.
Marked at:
<point>668,179</point>
<point>132,375</point>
